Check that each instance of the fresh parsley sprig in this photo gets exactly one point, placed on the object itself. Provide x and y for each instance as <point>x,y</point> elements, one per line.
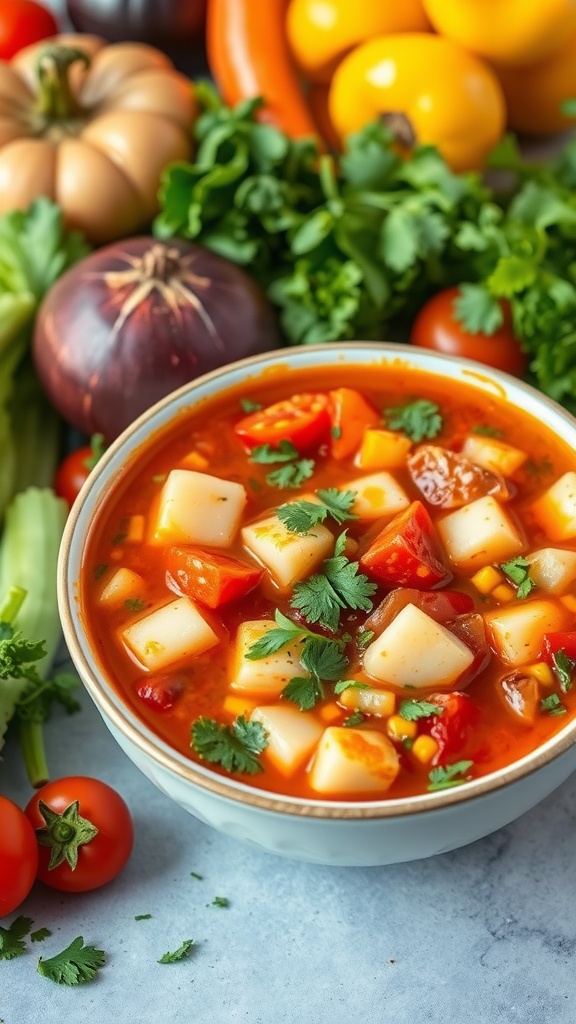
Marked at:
<point>235,747</point>
<point>418,420</point>
<point>340,585</point>
<point>294,471</point>
<point>518,572</point>
<point>302,516</point>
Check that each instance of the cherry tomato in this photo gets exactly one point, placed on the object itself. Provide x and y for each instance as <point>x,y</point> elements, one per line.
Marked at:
<point>23,22</point>
<point>18,856</point>
<point>84,830</point>
<point>435,327</point>
<point>75,469</point>
<point>304,420</point>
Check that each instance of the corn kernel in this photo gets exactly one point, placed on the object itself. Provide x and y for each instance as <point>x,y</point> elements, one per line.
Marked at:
<point>193,460</point>
<point>486,579</point>
<point>236,706</point>
<point>330,713</point>
<point>424,748</point>
<point>569,600</point>
<point>542,672</point>
<point>504,592</point>
<point>135,529</point>
<point>399,729</point>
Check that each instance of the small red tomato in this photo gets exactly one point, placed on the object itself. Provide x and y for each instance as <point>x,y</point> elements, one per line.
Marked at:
<point>23,22</point>
<point>304,420</point>
<point>18,856</point>
<point>76,467</point>
<point>436,328</point>
<point>84,831</point>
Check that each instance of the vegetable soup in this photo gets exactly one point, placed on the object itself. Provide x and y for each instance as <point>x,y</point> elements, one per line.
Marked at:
<point>342,586</point>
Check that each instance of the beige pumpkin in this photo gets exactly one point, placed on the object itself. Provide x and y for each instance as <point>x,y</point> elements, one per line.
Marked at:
<point>91,125</point>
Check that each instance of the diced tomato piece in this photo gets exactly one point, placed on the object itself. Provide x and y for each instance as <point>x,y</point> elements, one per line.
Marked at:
<point>553,643</point>
<point>450,728</point>
<point>303,419</point>
<point>406,552</point>
<point>471,629</point>
<point>441,605</point>
<point>213,579</point>
<point>351,415</point>
<point>450,480</point>
<point>160,692</point>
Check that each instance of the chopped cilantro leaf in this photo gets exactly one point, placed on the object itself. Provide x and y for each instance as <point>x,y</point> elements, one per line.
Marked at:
<point>356,718</point>
<point>563,667</point>
<point>552,705</point>
<point>448,775</point>
<point>194,874</point>
<point>234,747</point>
<point>364,638</point>
<point>340,585</point>
<point>302,516</point>
<point>518,572</point>
<point>291,475</point>
<point>134,604</point>
<point>40,934</point>
<point>12,938</point>
<point>220,901</point>
<point>324,658</point>
<point>247,405</point>
<point>418,420</point>
<point>178,954</point>
<point>74,965</point>
<point>412,710</point>
<point>285,632</point>
<point>350,684</point>
<point>142,917</point>
<point>267,454</point>
<point>305,691</point>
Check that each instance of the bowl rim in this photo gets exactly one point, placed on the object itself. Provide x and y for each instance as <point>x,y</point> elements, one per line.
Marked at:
<point>117,712</point>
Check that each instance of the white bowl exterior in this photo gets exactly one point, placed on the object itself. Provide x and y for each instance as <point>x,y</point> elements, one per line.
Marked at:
<point>383,832</point>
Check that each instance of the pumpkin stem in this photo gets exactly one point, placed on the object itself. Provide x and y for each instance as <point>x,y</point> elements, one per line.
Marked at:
<point>56,101</point>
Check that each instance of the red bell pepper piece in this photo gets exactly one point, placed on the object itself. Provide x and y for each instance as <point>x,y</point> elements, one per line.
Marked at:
<point>450,728</point>
<point>406,552</point>
<point>208,577</point>
<point>351,415</point>
<point>553,643</point>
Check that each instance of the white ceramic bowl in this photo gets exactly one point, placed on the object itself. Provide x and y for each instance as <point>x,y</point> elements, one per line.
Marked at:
<point>338,833</point>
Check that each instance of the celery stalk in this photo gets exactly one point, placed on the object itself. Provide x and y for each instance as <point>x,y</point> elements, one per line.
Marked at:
<point>33,527</point>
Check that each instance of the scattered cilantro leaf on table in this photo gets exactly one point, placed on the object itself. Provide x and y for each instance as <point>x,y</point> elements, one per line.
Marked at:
<point>178,954</point>
<point>12,938</point>
<point>74,965</point>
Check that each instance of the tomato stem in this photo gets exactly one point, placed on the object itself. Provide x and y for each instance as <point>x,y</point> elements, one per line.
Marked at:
<point>64,833</point>
<point>56,101</point>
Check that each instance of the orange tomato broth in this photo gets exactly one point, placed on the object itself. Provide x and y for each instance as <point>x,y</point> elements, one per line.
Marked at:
<point>497,738</point>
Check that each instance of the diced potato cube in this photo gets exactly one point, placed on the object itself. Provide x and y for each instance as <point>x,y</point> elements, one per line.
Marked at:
<point>480,533</point>
<point>289,557</point>
<point>174,631</point>
<point>124,585</point>
<point>196,508</point>
<point>377,495</point>
<point>552,569</point>
<point>555,510</point>
<point>350,760</point>
<point>415,651</point>
<point>516,631</point>
<point>492,454</point>
<point>292,735</point>
<point>267,676</point>
<point>383,449</point>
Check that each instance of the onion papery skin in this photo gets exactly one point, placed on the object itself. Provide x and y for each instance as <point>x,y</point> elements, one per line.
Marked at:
<point>137,319</point>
